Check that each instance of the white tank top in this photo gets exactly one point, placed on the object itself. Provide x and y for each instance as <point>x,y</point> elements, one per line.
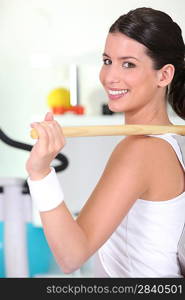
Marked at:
<point>146,241</point>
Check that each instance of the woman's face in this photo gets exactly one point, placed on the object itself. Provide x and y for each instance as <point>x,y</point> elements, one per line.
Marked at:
<point>127,74</point>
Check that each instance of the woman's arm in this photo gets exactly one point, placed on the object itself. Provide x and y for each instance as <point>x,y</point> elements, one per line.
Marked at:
<point>124,180</point>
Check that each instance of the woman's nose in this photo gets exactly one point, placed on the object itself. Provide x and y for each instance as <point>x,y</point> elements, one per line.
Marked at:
<point>112,76</point>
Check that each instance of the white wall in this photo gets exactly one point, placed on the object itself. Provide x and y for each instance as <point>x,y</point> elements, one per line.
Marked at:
<point>63,32</point>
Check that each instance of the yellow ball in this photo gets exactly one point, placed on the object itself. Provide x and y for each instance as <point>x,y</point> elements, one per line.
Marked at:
<point>59,97</point>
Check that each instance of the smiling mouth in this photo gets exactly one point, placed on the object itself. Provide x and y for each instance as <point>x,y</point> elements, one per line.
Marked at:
<point>118,92</point>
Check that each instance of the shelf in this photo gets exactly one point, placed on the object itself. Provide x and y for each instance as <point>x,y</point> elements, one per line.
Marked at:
<point>83,120</point>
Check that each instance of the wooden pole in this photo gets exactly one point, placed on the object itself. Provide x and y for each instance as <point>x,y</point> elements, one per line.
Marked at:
<point>113,130</point>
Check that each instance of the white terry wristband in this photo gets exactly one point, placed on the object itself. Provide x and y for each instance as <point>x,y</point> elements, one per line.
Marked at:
<point>46,193</point>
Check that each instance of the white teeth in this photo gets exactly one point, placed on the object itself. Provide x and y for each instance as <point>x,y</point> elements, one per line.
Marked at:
<point>117,92</point>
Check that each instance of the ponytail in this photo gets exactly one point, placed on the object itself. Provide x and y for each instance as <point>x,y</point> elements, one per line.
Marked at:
<point>176,96</point>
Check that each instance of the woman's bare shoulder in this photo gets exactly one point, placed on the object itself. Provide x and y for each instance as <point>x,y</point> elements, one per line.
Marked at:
<point>136,145</point>
<point>139,144</point>
<point>142,153</point>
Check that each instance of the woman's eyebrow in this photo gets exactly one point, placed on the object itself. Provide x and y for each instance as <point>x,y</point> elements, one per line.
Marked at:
<point>122,57</point>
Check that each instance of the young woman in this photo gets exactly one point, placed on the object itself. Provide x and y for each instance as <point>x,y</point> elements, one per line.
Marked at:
<point>135,216</point>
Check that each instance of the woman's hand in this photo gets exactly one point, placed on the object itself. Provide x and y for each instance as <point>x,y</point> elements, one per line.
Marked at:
<point>50,142</point>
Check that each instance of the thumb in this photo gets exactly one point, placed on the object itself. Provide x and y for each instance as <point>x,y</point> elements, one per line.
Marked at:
<point>49,116</point>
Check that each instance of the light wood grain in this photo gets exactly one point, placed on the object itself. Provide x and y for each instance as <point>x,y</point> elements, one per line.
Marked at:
<point>113,130</point>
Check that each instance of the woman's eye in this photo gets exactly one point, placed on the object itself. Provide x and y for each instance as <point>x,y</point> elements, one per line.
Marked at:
<point>128,65</point>
<point>107,61</point>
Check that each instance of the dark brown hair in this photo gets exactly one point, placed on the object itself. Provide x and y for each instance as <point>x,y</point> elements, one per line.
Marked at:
<point>163,40</point>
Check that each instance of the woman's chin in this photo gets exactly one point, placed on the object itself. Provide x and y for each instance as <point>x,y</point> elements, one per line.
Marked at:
<point>114,108</point>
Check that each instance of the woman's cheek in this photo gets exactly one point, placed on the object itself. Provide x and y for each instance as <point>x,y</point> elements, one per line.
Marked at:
<point>101,75</point>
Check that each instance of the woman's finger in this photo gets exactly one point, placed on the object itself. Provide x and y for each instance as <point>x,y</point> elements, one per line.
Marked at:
<point>43,140</point>
<point>51,131</point>
<point>61,137</point>
<point>57,136</point>
<point>56,140</point>
<point>49,116</point>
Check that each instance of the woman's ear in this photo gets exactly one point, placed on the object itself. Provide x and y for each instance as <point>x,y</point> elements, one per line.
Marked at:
<point>166,74</point>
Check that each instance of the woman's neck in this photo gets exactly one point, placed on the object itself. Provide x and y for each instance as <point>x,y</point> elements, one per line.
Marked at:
<point>154,116</point>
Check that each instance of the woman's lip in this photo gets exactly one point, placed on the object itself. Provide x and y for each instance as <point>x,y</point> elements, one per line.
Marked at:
<point>115,97</point>
<point>115,89</point>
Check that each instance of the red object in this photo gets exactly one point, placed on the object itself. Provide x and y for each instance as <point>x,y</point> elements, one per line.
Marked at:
<point>59,110</point>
